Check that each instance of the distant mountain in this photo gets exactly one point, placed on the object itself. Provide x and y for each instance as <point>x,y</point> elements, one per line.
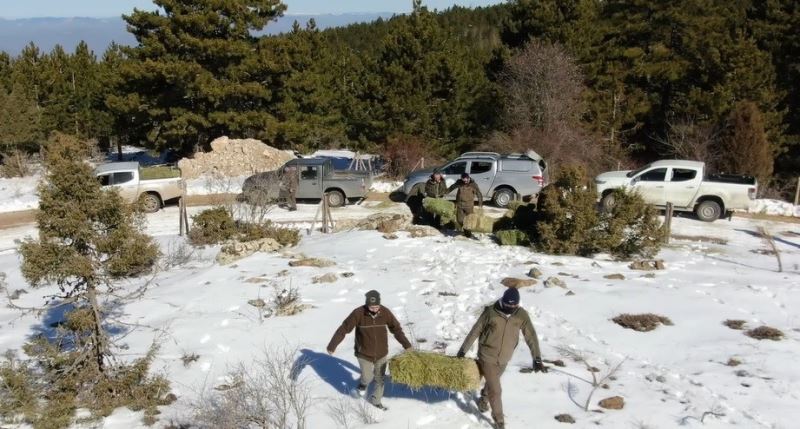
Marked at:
<point>100,32</point>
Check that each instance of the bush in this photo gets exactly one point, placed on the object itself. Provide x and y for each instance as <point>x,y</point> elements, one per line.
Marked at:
<point>15,164</point>
<point>567,215</point>
<point>736,324</point>
<point>641,322</point>
<point>403,153</point>
<point>212,226</point>
<point>765,333</point>
<point>513,237</point>
<point>254,231</point>
<point>630,228</point>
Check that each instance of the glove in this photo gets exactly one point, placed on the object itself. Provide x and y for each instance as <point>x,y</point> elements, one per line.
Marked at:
<point>460,354</point>
<point>538,366</point>
<point>330,352</point>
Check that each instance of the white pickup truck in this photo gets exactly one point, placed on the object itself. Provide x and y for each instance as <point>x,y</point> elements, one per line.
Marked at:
<point>151,185</point>
<point>685,184</point>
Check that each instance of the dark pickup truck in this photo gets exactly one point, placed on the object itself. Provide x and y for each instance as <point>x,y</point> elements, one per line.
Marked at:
<point>317,177</point>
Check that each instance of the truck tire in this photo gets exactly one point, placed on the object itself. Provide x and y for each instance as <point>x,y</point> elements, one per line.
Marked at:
<point>502,197</point>
<point>336,198</point>
<point>708,211</point>
<point>608,202</point>
<point>150,203</point>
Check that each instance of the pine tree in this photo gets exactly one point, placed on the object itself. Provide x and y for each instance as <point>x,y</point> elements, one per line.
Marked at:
<point>189,79</point>
<point>746,149</point>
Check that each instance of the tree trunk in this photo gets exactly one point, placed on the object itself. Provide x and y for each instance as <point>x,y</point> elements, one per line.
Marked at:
<point>99,336</point>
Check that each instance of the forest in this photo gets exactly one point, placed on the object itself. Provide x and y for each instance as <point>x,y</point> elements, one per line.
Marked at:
<point>605,84</point>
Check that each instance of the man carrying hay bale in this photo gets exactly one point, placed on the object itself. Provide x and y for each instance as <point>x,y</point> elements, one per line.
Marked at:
<point>465,199</point>
<point>435,187</point>
<point>498,328</point>
<point>372,342</point>
<point>290,181</point>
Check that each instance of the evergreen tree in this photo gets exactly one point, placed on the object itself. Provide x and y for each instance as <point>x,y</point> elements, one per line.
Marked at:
<point>19,121</point>
<point>746,149</point>
<point>188,80</point>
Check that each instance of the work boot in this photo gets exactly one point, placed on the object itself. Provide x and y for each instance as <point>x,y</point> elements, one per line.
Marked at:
<point>483,404</point>
<point>499,425</point>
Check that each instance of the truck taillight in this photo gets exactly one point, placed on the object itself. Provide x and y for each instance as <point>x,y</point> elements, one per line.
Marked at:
<point>751,192</point>
<point>539,179</point>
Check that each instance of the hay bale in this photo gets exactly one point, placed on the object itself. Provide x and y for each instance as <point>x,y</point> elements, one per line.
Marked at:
<point>425,369</point>
<point>446,210</point>
<point>512,237</point>
<point>477,222</point>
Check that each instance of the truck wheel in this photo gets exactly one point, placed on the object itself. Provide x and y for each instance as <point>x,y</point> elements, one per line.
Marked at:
<point>708,211</point>
<point>502,197</point>
<point>335,199</point>
<point>608,202</point>
<point>150,203</point>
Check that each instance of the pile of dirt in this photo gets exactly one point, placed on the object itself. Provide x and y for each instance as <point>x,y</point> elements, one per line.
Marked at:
<point>234,158</point>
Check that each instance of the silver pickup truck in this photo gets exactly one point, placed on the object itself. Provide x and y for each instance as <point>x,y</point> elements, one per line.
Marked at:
<point>500,177</point>
<point>316,177</point>
<point>685,184</point>
<point>151,185</point>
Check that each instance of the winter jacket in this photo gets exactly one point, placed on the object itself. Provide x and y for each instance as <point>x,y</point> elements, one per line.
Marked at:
<point>372,340</point>
<point>290,180</point>
<point>498,335</point>
<point>467,192</point>
<point>434,189</point>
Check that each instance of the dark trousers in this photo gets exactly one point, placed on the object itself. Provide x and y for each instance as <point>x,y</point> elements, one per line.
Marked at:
<point>492,390</point>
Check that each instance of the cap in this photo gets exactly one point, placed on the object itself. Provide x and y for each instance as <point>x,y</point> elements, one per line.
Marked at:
<point>373,298</point>
<point>511,297</point>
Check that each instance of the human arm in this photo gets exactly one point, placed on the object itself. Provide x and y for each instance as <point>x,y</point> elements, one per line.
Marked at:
<point>345,328</point>
<point>478,194</point>
<point>397,330</point>
<point>529,333</point>
<point>474,333</point>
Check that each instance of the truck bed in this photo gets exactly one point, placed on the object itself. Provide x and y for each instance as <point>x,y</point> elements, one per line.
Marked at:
<point>738,179</point>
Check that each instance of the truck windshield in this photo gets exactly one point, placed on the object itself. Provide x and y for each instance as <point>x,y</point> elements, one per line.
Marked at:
<point>636,172</point>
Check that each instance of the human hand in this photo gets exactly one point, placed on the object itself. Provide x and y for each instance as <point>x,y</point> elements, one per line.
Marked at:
<point>330,352</point>
<point>538,366</point>
<point>460,354</point>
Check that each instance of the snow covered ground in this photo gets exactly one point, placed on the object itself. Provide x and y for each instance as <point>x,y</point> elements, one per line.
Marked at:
<point>775,207</point>
<point>437,286</point>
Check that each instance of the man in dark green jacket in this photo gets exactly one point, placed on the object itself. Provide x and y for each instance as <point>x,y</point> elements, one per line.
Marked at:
<point>435,187</point>
<point>372,342</point>
<point>468,191</point>
<point>497,331</point>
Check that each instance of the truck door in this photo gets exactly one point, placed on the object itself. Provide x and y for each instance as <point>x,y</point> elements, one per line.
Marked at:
<point>483,173</point>
<point>310,182</point>
<point>126,183</point>
<point>650,185</point>
<point>452,173</point>
<point>682,186</point>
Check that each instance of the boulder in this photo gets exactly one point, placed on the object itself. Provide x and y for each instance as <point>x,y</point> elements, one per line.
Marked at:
<point>312,262</point>
<point>535,273</point>
<point>555,282</point>
<point>234,158</point>
<point>236,250</point>
<point>613,403</point>
<point>420,231</point>
<point>516,283</point>
<point>647,265</point>
<point>565,418</point>
<point>325,278</point>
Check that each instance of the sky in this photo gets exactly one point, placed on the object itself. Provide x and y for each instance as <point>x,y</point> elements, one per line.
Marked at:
<point>13,9</point>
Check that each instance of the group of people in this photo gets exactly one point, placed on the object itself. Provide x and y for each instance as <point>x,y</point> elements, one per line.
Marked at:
<point>436,187</point>
<point>496,331</point>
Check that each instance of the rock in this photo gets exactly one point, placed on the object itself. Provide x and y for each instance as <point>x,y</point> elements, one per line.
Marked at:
<point>420,231</point>
<point>615,277</point>
<point>555,282</point>
<point>388,222</point>
<point>647,265</point>
<point>733,362</point>
<point>312,262</point>
<point>256,280</point>
<point>557,264</point>
<point>570,293</point>
<point>325,278</point>
<point>391,236</point>
<point>232,158</point>
<point>236,250</point>
<point>257,303</point>
<point>347,275</point>
<point>649,276</point>
<point>565,418</point>
<point>596,265</point>
<point>558,362</point>
<point>535,273</point>
<point>517,283</point>
<point>742,373</point>
<point>613,403</point>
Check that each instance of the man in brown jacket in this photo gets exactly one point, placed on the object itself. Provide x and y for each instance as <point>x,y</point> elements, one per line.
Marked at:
<point>290,181</point>
<point>465,199</point>
<point>372,342</point>
<point>497,331</point>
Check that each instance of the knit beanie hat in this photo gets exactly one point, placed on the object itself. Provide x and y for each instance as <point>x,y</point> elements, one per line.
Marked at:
<point>511,297</point>
<point>374,298</point>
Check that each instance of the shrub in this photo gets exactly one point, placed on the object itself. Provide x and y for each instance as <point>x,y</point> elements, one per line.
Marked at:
<point>15,164</point>
<point>513,237</point>
<point>630,228</point>
<point>403,154</point>
<point>421,369</point>
<point>735,324</point>
<point>765,333</point>
<point>212,226</point>
<point>641,322</point>
<point>567,216</point>
<point>254,231</point>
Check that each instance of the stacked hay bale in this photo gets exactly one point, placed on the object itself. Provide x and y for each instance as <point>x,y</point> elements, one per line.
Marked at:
<point>418,369</point>
<point>234,158</point>
<point>446,210</point>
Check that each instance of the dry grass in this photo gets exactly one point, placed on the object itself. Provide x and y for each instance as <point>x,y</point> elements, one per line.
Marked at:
<point>700,238</point>
<point>735,324</point>
<point>641,322</point>
<point>765,333</point>
<point>426,369</point>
